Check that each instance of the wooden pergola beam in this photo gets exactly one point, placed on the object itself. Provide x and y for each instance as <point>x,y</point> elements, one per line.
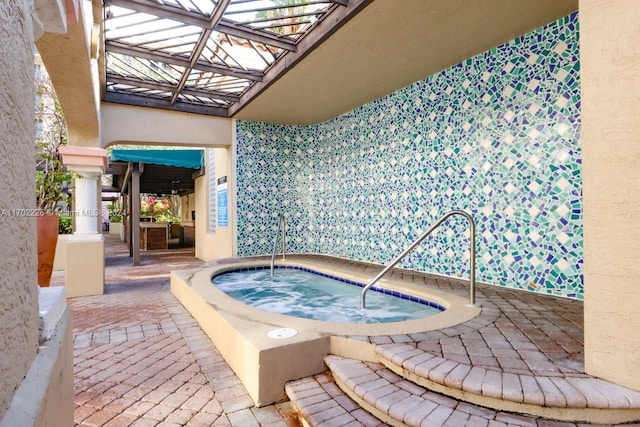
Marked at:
<point>191,18</point>
<point>157,56</point>
<point>132,81</point>
<point>325,28</point>
<point>216,16</point>
<point>147,101</point>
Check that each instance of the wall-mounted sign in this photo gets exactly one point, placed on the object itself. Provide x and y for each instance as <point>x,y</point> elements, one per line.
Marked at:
<point>211,171</point>
<point>223,204</point>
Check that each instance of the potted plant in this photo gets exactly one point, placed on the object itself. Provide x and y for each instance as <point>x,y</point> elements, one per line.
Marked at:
<point>52,181</point>
<point>52,184</point>
<point>115,218</point>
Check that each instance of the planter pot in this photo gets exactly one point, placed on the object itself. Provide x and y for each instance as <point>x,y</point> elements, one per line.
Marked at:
<point>47,234</point>
<point>60,259</point>
<point>114,228</point>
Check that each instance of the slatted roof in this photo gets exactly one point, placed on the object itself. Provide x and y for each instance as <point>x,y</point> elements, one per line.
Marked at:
<point>210,56</point>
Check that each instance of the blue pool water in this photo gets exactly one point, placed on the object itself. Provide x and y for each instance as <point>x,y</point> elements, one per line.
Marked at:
<point>313,296</point>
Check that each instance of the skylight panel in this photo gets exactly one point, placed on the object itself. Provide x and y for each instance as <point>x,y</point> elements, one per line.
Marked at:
<point>202,52</point>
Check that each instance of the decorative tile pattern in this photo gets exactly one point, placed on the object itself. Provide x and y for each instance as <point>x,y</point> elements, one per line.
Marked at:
<point>497,135</point>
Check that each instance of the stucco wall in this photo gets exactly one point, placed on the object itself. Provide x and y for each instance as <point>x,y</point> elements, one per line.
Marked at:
<point>214,242</point>
<point>611,92</point>
<point>497,135</point>
<point>188,205</point>
<point>74,72</point>
<point>123,124</point>
<point>18,289</point>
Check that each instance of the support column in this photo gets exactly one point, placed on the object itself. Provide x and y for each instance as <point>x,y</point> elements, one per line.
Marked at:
<point>87,217</point>
<point>138,168</point>
<point>125,220</point>
<point>130,224</point>
<point>610,86</point>
<point>84,268</point>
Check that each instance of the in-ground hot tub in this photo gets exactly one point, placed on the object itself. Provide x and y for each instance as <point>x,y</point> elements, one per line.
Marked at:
<point>300,292</point>
<point>268,349</point>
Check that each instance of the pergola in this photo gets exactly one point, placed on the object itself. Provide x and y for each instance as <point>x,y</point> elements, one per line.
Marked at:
<point>210,56</point>
<point>293,61</point>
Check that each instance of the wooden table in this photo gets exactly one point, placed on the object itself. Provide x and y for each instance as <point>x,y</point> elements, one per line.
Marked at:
<point>154,236</point>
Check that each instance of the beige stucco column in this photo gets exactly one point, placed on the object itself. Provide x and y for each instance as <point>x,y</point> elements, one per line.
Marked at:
<point>87,217</point>
<point>84,268</point>
<point>610,78</point>
<point>217,241</point>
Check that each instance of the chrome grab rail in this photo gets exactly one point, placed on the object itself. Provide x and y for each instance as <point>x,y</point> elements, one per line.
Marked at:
<point>282,224</point>
<point>472,256</point>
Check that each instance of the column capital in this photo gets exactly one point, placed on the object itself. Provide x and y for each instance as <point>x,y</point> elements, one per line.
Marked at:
<point>54,16</point>
<point>84,159</point>
<point>86,172</point>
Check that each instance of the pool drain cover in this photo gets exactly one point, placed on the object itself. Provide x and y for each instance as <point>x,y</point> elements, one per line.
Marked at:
<point>282,333</point>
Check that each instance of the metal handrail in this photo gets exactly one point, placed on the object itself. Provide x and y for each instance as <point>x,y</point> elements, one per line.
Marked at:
<point>472,259</point>
<point>282,224</point>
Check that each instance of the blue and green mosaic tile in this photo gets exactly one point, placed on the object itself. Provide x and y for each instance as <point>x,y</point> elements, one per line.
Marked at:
<point>497,135</point>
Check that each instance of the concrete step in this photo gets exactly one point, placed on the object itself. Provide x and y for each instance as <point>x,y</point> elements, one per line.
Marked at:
<point>340,398</point>
<point>556,394</point>
<point>320,403</point>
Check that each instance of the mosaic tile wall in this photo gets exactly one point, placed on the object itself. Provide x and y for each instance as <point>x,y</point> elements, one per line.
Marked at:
<point>497,136</point>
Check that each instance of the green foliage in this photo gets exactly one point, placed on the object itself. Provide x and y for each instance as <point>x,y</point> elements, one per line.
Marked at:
<point>52,181</point>
<point>167,216</point>
<point>285,16</point>
<point>160,208</point>
<point>65,224</point>
<point>51,186</point>
<point>115,212</point>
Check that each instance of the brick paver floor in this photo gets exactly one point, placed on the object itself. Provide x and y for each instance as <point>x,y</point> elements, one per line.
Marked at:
<point>141,360</point>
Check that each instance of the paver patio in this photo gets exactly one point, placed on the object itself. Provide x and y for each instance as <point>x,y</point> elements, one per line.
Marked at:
<point>141,360</point>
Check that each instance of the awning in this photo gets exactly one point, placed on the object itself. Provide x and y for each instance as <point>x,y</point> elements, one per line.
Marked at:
<point>192,159</point>
<point>163,172</point>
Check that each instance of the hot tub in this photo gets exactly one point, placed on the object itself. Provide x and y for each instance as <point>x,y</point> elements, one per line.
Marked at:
<point>268,349</point>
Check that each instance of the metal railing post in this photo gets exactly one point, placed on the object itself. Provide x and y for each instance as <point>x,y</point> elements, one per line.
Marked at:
<point>472,256</point>
<point>281,225</point>
<point>284,236</point>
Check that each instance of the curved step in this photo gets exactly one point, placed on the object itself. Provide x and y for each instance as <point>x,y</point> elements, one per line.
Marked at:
<point>399,402</point>
<point>569,396</point>
<point>321,403</point>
